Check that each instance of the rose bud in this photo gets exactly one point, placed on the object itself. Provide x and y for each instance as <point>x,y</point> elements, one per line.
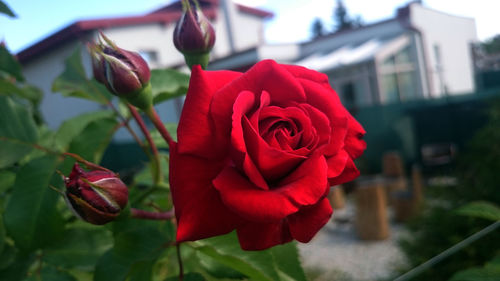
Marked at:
<point>95,196</point>
<point>194,36</point>
<point>126,74</point>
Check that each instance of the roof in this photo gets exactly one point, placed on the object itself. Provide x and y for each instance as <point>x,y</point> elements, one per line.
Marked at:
<point>167,14</point>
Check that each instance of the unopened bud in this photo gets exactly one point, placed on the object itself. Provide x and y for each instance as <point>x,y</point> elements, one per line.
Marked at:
<point>194,36</point>
<point>95,196</point>
<point>126,74</point>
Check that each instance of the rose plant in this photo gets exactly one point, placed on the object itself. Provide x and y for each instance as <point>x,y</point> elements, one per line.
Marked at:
<point>248,170</point>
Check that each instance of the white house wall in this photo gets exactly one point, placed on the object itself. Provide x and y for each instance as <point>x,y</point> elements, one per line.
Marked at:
<point>42,71</point>
<point>452,35</point>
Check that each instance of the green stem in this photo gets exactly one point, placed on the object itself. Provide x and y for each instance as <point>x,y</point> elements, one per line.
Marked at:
<point>157,174</point>
<point>151,113</point>
<point>179,259</point>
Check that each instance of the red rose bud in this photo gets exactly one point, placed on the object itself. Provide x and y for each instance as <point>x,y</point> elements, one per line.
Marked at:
<point>126,74</point>
<point>194,36</point>
<point>95,196</point>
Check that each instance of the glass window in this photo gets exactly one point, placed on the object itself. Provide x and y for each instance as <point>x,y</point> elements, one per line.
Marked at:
<point>390,86</point>
<point>407,86</point>
<point>151,57</point>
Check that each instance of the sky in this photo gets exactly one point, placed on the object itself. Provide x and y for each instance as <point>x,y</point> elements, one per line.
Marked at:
<point>37,19</point>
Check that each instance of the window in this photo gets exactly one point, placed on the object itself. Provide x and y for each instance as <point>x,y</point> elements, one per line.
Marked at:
<point>398,77</point>
<point>150,56</point>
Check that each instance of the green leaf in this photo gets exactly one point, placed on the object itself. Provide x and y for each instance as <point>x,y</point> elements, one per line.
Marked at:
<point>168,84</point>
<point>9,64</point>
<point>136,241</point>
<point>80,247</point>
<point>52,274</point>
<point>190,276</point>
<point>480,209</point>
<point>73,127</point>
<point>142,270</point>
<point>490,273</point>
<point>18,268</point>
<point>2,235</point>
<point>73,82</point>
<point>7,179</point>
<point>16,129</point>
<point>287,259</point>
<point>4,9</point>
<point>7,256</point>
<point>31,217</point>
<point>216,269</point>
<point>257,265</point>
<point>94,139</point>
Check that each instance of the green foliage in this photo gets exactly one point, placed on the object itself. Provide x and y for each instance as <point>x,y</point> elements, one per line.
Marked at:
<point>73,82</point>
<point>4,9</point>
<point>480,209</point>
<point>489,272</point>
<point>8,64</point>
<point>39,237</point>
<point>34,204</point>
<point>16,128</point>
<point>460,211</point>
<point>168,84</point>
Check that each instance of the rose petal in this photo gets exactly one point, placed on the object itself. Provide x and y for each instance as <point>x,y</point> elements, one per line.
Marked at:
<point>199,210</point>
<point>244,102</point>
<point>249,201</point>
<point>337,163</point>
<point>308,183</point>
<point>349,173</point>
<point>260,236</point>
<point>311,75</point>
<point>195,130</point>
<point>308,221</point>
<point>328,103</point>
<point>265,76</point>
<point>353,143</point>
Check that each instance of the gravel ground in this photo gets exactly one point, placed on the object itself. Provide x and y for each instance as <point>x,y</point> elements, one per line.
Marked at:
<point>337,254</point>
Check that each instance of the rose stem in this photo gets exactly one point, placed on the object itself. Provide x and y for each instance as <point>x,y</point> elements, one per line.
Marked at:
<point>157,175</point>
<point>179,259</point>
<point>141,214</point>
<point>151,113</point>
<point>127,126</point>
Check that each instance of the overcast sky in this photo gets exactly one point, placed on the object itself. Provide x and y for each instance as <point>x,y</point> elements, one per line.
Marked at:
<point>38,19</point>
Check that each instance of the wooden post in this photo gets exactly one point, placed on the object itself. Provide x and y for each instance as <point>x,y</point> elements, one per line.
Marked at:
<point>371,211</point>
<point>392,165</point>
<point>336,197</point>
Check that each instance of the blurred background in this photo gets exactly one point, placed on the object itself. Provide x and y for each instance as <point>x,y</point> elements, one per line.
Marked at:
<point>422,77</point>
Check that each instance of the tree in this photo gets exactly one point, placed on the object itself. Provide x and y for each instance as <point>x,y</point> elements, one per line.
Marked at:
<point>341,17</point>
<point>317,28</point>
<point>492,46</point>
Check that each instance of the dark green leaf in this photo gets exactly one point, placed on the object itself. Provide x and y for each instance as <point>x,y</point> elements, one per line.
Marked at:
<point>73,127</point>
<point>216,269</point>
<point>52,274</point>
<point>478,274</point>
<point>7,256</point>
<point>4,9</point>
<point>141,271</point>
<point>481,209</point>
<point>168,84</point>
<point>9,64</point>
<point>257,265</point>
<point>94,139</point>
<point>80,247</point>
<point>16,129</point>
<point>190,276</point>
<point>73,82</point>
<point>31,217</point>
<point>286,258</point>
<point>2,235</point>
<point>136,241</point>
<point>18,268</point>
<point>7,179</point>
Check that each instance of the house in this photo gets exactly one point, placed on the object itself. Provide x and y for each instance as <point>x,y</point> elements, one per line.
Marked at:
<point>420,53</point>
<point>417,54</point>
<point>237,27</point>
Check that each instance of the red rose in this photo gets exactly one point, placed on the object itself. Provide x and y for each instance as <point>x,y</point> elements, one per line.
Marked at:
<point>257,152</point>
